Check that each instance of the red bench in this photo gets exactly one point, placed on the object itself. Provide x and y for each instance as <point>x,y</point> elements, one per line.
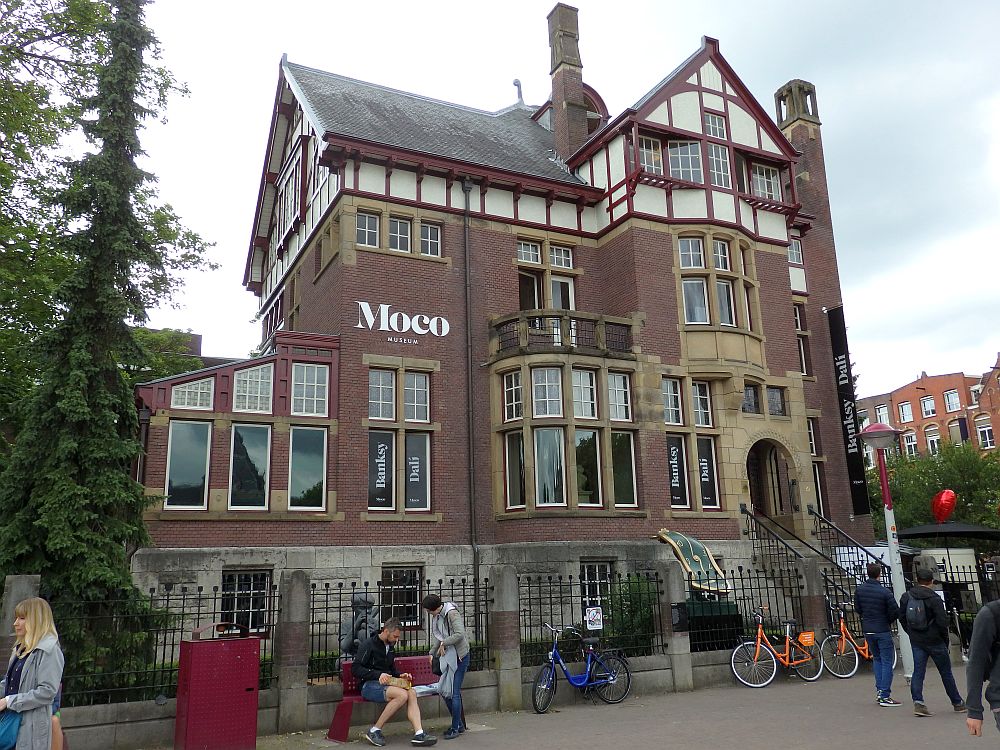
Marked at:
<point>418,666</point>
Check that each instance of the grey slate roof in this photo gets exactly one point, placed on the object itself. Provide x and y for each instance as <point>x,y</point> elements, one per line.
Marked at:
<point>507,139</point>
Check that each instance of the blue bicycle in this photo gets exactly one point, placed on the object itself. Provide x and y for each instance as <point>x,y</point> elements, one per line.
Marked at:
<point>606,674</point>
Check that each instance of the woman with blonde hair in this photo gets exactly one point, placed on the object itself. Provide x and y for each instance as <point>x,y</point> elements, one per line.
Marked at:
<point>33,673</point>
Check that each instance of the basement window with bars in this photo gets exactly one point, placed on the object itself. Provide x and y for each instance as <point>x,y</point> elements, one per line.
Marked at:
<point>401,595</point>
<point>245,598</point>
<point>595,582</point>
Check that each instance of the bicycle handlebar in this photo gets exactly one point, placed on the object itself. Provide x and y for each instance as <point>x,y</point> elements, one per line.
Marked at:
<point>558,631</point>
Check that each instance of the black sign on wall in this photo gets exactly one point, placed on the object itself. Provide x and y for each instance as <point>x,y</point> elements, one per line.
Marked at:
<point>847,412</point>
<point>677,469</point>
<point>417,469</point>
<point>381,468</point>
<point>706,473</point>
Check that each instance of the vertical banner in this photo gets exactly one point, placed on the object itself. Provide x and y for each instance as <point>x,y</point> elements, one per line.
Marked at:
<point>706,473</point>
<point>846,411</point>
<point>677,466</point>
<point>417,470</point>
<point>380,470</point>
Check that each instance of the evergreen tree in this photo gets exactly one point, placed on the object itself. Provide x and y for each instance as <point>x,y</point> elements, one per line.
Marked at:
<point>71,510</point>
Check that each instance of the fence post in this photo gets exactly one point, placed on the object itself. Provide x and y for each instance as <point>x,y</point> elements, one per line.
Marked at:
<point>15,589</point>
<point>291,653</point>
<point>814,609</point>
<point>678,641</point>
<point>505,637</point>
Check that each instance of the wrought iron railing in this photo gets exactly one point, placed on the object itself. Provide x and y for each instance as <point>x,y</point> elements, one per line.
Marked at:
<point>849,553</point>
<point>544,330</point>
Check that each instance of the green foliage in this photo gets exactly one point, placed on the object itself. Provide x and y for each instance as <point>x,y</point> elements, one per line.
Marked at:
<point>165,352</point>
<point>630,623</point>
<point>974,475</point>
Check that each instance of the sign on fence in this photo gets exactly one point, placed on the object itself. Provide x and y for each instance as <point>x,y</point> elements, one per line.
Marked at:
<point>594,618</point>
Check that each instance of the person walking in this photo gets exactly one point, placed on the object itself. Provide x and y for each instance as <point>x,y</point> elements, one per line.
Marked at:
<point>983,666</point>
<point>453,652</point>
<point>923,617</point>
<point>878,610</point>
<point>33,673</point>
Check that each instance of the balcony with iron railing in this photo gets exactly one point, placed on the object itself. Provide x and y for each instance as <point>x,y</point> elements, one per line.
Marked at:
<point>563,331</point>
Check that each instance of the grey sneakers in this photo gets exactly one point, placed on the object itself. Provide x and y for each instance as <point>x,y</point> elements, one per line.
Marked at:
<point>424,740</point>
<point>375,737</point>
<point>919,709</point>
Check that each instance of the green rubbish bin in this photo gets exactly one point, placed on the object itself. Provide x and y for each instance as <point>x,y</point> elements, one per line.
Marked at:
<point>713,625</point>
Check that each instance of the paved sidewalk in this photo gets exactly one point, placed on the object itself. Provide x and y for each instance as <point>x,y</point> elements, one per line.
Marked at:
<point>787,715</point>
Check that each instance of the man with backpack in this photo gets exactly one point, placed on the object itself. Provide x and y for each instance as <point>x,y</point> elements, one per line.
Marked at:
<point>983,663</point>
<point>925,620</point>
<point>878,610</point>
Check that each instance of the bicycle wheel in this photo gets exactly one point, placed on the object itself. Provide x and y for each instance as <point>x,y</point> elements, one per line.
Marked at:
<point>544,689</point>
<point>808,670</point>
<point>895,657</point>
<point>840,656</point>
<point>753,671</point>
<point>614,669</point>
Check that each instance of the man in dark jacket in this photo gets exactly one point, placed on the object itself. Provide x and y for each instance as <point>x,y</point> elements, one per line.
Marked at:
<point>374,666</point>
<point>878,610</point>
<point>983,663</point>
<point>923,617</point>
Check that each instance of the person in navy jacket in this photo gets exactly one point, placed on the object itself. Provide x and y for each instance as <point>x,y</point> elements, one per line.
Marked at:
<point>878,610</point>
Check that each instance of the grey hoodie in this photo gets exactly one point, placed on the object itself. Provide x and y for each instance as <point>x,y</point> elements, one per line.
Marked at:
<point>40,680</point>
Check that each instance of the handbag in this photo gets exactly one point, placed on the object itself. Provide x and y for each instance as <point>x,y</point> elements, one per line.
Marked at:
<point>10,723</point>
<point>435,668</point>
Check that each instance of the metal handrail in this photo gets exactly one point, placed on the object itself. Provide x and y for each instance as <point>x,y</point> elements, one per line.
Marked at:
<point>752,519</point>
<point>820,519</point>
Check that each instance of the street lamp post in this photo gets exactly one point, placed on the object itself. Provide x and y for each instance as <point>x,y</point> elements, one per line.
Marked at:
<point>881,437</point>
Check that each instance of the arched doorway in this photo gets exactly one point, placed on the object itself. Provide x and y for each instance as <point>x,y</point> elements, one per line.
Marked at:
<point>771,479</point>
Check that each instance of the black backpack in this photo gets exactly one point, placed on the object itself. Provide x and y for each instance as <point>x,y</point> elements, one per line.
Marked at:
<point>916,614</point>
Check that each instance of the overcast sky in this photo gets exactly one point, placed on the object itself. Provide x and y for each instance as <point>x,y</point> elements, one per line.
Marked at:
<point>908,93</point>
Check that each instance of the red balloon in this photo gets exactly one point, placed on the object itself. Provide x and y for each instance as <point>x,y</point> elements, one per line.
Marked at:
<point>943,505</point>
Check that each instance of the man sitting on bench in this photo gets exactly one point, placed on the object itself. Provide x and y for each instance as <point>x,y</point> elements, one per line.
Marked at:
<point>373,666</point>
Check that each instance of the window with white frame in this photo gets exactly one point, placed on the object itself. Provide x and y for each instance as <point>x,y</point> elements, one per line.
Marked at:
<point>715,125</point>
<point>529,252</point>
<point>249,466</point>
<point>882,414</point>
<point>813,445</point>
<point>905,412</point>
<point>672,411</point>
<point>927,407</point>
<point>910,443</point>
<point>932,435</point>
<point>513,397</point>
<point>718,166</point>
<point>702,403</point>
<point>550,467</point>
<point>619,398</point>
<point>430,240</point>
<point>367,229</point>
<point>984,432</point>
<point>795,251</point>
<point>307,469</point>
<point>252,389</point>
<point>692,252</point>
<point>799,315</point>
<point>399,234</point>
<point>188,446</point>
<point>595,583</point>
<point>685,160</point>
<point>546,392</point>
<point>650,155</point>
<point>560,257</point>
<point>310,389</point>
<point>695,300</point>
<point>766,182</point>
<point>720,254</point>
<point>727,303</point>
<point>416,397</point>
<point>194,395</point>
<point>382,394</point>
<point>584,394</point>
<point>951,401</point>
<point>803,355</point>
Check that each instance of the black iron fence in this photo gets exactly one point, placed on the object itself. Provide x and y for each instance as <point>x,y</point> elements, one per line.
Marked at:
<point>128,649</point>
<point>342,613</point>
<point>627,608</point>
<point>720,613</point>
<point>965,589</point>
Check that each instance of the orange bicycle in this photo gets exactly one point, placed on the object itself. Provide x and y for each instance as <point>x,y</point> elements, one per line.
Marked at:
<point>842,653</point>
<point>755,663</point>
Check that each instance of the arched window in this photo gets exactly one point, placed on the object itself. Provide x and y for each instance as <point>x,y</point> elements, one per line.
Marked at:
<point>984,432</point>
<point>910,443</point>
<point>932,435</point>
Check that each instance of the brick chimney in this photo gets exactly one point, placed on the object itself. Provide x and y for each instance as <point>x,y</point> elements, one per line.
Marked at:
<point>569,108</point>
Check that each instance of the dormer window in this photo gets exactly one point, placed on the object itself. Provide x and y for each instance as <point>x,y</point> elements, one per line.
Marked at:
<point>685,160</point>
<point>650,155</point>
<point>766,182</point>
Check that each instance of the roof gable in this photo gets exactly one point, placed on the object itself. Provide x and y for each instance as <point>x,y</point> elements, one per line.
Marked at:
<point>706,82</point>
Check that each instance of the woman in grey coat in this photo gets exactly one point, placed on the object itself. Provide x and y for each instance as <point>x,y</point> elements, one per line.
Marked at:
<point>33,673</point>
<point>452,647</point>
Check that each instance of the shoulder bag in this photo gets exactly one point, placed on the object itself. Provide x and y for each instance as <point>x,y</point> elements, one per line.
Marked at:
<point>10,723</point>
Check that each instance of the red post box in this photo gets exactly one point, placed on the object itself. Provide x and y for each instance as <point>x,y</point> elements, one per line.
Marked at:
<point>217,686</point>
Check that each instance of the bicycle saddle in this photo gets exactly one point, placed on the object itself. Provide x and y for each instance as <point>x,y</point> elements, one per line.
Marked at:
<point>591,641</point>
<point>793,623</point>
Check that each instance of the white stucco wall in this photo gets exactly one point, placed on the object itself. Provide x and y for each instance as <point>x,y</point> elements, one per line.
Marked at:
<point>403,184</point>
<point>742,127</point>
<point>746,215</point>
<point>689,204</point>
<point>711,78</point>
<point>797,278</point>
<point>650,200</point>
<point>532,208</point>
<point>687,111</point>
<point>770,224</point>
<point>371,179</point>
<point>564,214</point>
<point>724,206</point>
<point>433,190</point>
<point>711,100</point>
<point>500,203</point>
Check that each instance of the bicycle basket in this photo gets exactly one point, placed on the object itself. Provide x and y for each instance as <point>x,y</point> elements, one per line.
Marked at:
<point>807,638</point>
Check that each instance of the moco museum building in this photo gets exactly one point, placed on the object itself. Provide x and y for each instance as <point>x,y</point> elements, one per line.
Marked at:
<point>489,330</point>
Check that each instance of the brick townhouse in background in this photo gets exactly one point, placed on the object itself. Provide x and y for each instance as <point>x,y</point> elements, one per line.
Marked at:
<point>533,336</point>
<point>935,408</point>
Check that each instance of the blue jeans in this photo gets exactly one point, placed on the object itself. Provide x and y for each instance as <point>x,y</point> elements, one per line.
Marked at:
<point>454,703</point>
<point>942,660</point>
<point>882,649</point>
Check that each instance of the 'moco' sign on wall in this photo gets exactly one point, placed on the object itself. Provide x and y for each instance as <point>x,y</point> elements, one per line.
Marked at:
<point>383,318</point>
